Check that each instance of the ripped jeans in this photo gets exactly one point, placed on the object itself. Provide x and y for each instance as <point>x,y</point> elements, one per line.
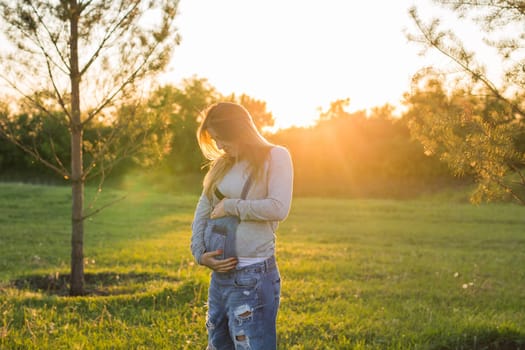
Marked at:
<point>242,308</point>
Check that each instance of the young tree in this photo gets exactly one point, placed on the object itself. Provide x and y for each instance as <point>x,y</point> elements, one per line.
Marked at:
<point>483,120</point>
<point>86,58</point>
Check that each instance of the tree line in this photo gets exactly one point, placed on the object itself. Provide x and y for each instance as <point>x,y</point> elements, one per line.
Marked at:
<point>433,145</point>
<point>353,154</point>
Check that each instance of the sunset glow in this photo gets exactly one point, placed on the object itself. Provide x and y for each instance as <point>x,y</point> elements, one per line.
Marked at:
<point>299,56</point>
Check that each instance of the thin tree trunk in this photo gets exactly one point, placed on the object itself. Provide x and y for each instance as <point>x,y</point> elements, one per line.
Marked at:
<point>77,187</point>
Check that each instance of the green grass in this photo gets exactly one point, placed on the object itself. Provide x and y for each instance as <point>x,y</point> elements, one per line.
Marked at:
<point>357,274</point>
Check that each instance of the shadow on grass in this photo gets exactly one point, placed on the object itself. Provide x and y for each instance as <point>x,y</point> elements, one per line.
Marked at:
<point>96,284</point>
<point>499,338</point>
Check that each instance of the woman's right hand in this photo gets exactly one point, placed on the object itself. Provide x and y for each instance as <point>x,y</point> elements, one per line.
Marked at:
<point>218,265</point>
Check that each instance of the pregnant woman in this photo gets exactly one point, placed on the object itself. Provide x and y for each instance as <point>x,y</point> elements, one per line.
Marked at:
<point>250,182</point>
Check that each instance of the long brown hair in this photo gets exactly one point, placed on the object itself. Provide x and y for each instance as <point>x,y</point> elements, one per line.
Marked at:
<point>233,124</point>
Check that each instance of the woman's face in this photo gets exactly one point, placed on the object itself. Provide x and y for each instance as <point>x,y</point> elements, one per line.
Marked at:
<point>229,148</point>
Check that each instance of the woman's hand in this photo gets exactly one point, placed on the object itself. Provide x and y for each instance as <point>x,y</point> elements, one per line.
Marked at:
<point>218,210</point>
<point>208,259</point>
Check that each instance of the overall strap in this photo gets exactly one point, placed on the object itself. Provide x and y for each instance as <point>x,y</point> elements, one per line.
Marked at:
<point>246,186</point>
<point>244,192</point>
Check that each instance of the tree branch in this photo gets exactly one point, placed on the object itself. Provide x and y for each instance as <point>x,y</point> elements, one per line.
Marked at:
<point>58,94</point>
<point>84,217</point>
<point>109,33</point>
<point>43,23</point>
<point>126,82</point>
<point>520,174</point>
<point>28,97</point>
<point>99,155</point>
<point>434,41</point>
<point>55,154</point>
<point>34,153</point>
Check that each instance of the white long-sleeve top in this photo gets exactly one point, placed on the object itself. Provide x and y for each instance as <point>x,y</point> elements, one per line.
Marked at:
<point>267,203</point>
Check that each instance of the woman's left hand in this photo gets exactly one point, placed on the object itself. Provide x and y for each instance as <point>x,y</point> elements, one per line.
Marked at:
<point>218,210</point>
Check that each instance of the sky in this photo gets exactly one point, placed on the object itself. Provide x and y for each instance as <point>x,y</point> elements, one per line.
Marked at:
<point>300,55</point>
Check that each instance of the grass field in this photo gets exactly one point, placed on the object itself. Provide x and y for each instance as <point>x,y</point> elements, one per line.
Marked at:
<point>357,274</point>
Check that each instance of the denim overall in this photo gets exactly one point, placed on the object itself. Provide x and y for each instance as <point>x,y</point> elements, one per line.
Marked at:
<point>242,307</point>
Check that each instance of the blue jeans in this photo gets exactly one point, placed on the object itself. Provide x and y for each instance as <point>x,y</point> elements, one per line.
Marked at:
<point>242,308</point>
